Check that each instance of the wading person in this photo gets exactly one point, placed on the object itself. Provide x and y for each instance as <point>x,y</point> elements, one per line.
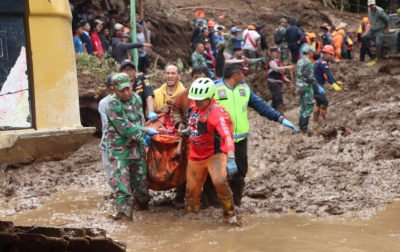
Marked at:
<point>305,86</point>
<point>235,95</point>
<point>211,149</point>
<point>125,147</point>
<point>323,74</point>
<point>276,78</point>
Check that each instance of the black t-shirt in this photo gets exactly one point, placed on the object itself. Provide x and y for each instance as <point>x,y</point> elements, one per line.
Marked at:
<point>143,88</point>
<point>263,41</point>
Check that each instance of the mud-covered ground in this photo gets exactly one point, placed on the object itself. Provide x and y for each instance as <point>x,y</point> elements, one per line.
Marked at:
<point>349,166</point>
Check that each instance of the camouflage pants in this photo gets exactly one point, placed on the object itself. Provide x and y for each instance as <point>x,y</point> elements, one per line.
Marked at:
<point>307,102</point>
<point>128,178</point>
<point>284,52</point>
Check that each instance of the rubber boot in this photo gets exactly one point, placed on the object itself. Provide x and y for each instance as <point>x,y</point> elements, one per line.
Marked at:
<point>179,200</point>
<point>316,114</point>
<point>378,55</point>
<point>303,123</point>
<point>237,187</point>
<point>228,209</point>
<point>323,112</point>
<point>192,208</point>
<point>142,203</point>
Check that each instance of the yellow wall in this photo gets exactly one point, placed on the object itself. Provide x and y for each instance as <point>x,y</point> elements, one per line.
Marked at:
<point>54,85</point>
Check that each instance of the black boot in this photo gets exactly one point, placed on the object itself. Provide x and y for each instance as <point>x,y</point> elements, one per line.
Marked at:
<point>209,196</point>
<point>237,187</point>
<point>303,122</point>
<point>179,200</point>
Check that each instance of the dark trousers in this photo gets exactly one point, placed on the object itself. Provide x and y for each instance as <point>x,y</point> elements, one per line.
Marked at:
<point>294,51</point>
<point>237,183</point>
<point>320,99</point>
<point>143,62</point>
<point>276,92</point>
<point>365,50</point>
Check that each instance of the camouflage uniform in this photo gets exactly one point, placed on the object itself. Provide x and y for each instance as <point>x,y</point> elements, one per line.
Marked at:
<point>126,151</point>
<point>283,46</point>
<point>305,85</point>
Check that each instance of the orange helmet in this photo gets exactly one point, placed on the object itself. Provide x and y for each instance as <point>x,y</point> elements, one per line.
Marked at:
<point>211,23</point>
<point>365,20</point>
<point>312,35</point>
<point>328,49</point>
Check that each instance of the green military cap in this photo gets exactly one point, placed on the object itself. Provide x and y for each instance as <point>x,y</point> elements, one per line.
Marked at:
<point>308,49</point>
<point>121,81</point>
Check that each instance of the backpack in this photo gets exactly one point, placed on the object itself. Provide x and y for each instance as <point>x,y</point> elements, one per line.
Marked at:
<point>278,36</point>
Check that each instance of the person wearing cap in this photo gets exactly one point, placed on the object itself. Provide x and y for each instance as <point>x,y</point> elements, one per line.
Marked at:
<point>77,41</point>
<point>251,43</point>
<point>103,142</point>
<point>230,41</point>
<point>196,34</point>
<point>322,74</point>
<point>85,37</point>
<point>219,37</point>
<point>379,26</point>
<point>198,58</point>
<point>142,87</point>
<point>305,85</point>
<point>211,37</point>
<point>120,47</point>
<point>280,39</point>
<point>126,139</point>
<point>263,42</point>
<point>95,37</point>
<point>209,56</point>
<point>236,96</point>
<point>275,72</point>
<point>337,43</point>
<point>212,150</point>
<point>326,36</point>
<point>364,27</point>
<point>238,54</point>
<point>144,60</point>
<point>293,37</point>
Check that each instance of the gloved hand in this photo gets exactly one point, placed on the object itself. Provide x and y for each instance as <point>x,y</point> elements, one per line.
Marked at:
<point>231,167</point>
<point>289,124</point>
<point>370,64</point>
<point>147,140</point>
<point>339,83</point>
<point>151,131</point>
<point>152,116</point>
<point>212,75</point>
<point>336,87</point>
<point>185,132</point>
<point>261,59</point>
<point>321,90</point>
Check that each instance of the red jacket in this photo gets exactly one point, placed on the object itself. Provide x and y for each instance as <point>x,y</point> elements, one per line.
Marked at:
<point>97,46</point>
<point>211,131</point>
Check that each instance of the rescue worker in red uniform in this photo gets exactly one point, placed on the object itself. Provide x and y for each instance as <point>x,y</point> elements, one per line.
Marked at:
<point>212,149</point>
<point>322,74</point>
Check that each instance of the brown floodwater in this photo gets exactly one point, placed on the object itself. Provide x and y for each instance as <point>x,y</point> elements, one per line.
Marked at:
<point>167,231</point>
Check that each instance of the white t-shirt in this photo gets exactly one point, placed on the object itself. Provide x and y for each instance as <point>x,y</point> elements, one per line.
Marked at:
<point>254,36</point>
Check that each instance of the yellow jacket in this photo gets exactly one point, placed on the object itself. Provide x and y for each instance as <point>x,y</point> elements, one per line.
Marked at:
<point>161,97</point>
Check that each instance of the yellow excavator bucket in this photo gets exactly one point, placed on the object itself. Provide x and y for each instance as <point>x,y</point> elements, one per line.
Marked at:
<point>39,102</point>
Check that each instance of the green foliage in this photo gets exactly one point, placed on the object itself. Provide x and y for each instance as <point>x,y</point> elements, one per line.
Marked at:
<point>101,68</point>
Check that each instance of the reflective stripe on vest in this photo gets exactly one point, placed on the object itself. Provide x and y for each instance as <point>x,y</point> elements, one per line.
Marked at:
<point>235,101</point>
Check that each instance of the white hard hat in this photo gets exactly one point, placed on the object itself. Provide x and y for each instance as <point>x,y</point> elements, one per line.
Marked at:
<point>118,26</point>
<point>371,2</point>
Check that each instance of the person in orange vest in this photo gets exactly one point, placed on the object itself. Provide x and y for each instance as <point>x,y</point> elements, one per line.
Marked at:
<point>317,45</point>
<point>337,43</point>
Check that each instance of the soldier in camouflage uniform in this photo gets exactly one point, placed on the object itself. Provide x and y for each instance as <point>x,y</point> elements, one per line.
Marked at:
<point>283,46</point>
<point>125,147</point>
<point>305,85</point>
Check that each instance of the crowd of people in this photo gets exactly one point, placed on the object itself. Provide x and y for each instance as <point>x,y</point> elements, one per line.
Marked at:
<point>212,110</point>
<point>103,37</point>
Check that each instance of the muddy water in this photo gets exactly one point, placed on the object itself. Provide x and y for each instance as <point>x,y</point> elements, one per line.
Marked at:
<point>168,231</point>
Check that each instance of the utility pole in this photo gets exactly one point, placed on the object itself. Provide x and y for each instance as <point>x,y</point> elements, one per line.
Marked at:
<point>133,32</point>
